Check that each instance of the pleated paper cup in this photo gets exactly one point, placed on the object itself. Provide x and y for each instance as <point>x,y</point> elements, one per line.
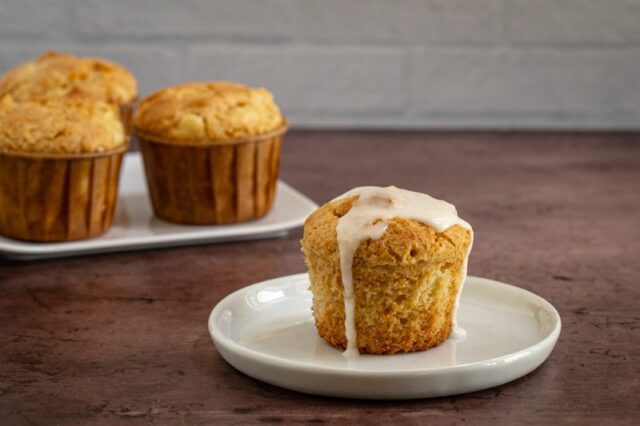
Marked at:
<point>50,197</point>
<point>212,182</point>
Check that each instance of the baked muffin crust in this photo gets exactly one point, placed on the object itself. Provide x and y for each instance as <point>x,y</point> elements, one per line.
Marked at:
<point>59,126</point>
<point>405,283</point>
<point>207,111</point>
<point>57,75</point>
<point>406,241</point>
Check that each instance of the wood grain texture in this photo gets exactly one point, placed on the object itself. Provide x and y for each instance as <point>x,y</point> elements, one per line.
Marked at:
<point>122,338</point>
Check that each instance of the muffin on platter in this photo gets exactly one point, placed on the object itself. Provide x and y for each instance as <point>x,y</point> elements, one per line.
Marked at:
<point>59,167</point>
<point>211,151</point>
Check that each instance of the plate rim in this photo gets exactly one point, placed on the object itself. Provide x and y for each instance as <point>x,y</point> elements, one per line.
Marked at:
<point>549,341</point>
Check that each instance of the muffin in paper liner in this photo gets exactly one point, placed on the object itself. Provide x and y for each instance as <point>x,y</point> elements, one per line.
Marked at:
<point>212,182</point>
<point>59,167</point>
<point>211,151</point>
<point>58,197</point>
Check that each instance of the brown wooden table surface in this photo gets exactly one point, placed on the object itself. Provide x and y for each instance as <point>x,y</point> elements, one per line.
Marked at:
<point>123,337</point>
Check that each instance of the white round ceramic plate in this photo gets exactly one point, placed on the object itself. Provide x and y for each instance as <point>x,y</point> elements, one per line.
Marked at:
<point>266,331</point>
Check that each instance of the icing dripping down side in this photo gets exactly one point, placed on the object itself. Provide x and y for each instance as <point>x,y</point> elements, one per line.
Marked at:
<point>458,333</point>
<point>368,219</point>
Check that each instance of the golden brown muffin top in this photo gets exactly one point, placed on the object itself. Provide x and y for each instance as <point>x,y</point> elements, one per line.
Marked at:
<point>59,126</point>
<point>56,75</point>
<point>208,111</point>
<point>405,241</point>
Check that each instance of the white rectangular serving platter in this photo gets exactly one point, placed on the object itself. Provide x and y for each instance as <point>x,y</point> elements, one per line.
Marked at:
<point>135,227</point>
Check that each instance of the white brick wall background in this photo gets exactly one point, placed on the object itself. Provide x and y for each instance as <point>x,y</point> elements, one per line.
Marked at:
<point>365,63</point>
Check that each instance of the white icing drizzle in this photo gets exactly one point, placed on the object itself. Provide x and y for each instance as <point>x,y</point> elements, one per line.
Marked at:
<point>368,219</point>
<point>459,333</point>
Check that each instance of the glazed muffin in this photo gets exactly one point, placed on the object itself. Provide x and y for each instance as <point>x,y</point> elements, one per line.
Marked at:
<point>211,151</point>
<point>403,256</point>
<point>59,167</point>
<point>59,75</point>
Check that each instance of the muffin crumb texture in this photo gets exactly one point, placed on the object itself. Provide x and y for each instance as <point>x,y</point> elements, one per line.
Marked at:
<point>405,283</point>
<point>58,75</point>
<point>59,126</point>
<point>208,111</point>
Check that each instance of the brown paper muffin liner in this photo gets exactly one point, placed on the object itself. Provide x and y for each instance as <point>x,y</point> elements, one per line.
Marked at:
<point>58,197</point>
<point>212,182</point>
